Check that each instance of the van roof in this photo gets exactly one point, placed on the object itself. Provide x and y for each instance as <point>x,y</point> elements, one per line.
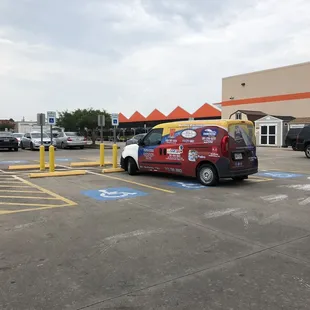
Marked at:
<point>219,122</point>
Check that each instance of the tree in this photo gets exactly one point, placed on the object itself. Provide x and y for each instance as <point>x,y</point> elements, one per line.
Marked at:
<point>9,126</point>
<point>80,119</point>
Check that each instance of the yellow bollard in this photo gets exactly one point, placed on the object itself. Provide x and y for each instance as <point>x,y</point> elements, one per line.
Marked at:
<point>114,160</point>
<point>101,159</point>
<point>52,158</point>
<point>42,158</point>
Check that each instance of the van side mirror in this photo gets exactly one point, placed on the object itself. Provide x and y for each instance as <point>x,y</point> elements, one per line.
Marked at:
<point>140,142</point>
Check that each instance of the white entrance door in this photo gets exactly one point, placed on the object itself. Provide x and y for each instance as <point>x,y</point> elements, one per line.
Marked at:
<point>268,134</point>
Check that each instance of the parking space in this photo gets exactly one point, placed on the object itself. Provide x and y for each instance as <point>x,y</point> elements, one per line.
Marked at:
<point>20,195</point>
<point>159,242</point>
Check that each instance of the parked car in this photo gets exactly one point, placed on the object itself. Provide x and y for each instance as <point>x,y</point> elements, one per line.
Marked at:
<point>303,141</point>
<point>8,141</point>
<point>135,139</point>
<point>207,150</point>
<point>291,137</point>
<point>18,136</point>
<point>70,139</point>
<point>32,141</point>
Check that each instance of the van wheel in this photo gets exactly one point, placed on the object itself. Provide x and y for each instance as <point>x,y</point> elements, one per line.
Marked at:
<point>241,178</point>
<point>131,167</point>
<point>307,151</point>
<point>207,175</point>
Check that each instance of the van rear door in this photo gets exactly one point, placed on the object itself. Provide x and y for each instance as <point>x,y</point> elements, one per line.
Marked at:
<point>242,146</point>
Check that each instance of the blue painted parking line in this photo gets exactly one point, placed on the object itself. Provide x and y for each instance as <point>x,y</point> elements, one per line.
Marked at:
<point>63,159</point>
<point>186,185</point>
<point>278,174</point>
<point>114,193</point>
<point>13,162</point>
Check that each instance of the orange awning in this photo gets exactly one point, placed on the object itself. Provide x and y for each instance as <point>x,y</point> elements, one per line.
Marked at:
<point>207,111</point>
<point>178,113</point>
<point>122,118</point>
<point>136,117</point>
<point>155,116</point>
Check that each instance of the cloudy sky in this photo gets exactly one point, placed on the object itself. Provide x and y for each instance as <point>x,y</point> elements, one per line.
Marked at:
<point>127,55</point>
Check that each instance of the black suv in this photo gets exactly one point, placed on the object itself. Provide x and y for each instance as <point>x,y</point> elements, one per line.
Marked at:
<point>303,141</point>
<point>291,137</point>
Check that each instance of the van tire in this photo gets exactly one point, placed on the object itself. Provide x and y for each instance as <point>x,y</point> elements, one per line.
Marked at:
<point>307,151</point>
<point>207,175</point>
<point>131,166</point>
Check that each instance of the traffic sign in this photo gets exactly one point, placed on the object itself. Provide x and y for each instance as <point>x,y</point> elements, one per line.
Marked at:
<point>51,117</point>
<point>101,120</point>
<point>41,119</point>
<point>114,117</point>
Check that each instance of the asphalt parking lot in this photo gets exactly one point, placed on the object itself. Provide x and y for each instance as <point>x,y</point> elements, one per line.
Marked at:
<point>153,241</point>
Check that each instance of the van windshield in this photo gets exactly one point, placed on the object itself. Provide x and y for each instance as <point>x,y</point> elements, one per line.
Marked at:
<point>241,136</point>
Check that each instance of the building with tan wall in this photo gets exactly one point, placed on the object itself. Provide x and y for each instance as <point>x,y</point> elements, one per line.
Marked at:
<point>280,91</point>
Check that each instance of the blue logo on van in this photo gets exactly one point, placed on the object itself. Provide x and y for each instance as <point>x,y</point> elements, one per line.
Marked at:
<point>209,132</point>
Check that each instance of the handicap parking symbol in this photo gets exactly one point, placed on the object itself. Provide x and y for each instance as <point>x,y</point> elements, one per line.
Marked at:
<point>186,185</point>
<point>114,193</point>
<point>13,162</point>
<point>279,175</point>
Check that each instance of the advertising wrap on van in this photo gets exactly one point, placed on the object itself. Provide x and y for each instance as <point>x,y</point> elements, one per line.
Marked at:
<point>229,146</point>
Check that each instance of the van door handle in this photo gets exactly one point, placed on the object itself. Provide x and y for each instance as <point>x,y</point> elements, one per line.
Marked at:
<point>165,151</point>
<point>160,151</point>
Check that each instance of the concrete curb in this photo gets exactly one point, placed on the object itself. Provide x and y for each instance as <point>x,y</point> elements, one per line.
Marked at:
<point>57,174</point>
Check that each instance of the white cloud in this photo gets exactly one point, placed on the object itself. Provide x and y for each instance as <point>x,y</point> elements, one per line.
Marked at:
<point>129,55</point>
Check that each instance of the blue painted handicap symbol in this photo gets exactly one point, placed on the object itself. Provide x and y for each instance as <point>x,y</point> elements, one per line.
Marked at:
<point>115,193</point>
<point>186,185</point>
<point>13,162</point>
<point>278,174</point>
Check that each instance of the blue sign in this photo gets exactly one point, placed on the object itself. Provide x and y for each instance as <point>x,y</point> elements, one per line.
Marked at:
<point>114,117</point>
<point>115,193</point>
<point>51,120</point>
<point>186,185</point>
<point>278,174</point>
<point>13,162</point>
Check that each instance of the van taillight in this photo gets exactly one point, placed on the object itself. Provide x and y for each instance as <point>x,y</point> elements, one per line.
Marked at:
<point>224,146</point>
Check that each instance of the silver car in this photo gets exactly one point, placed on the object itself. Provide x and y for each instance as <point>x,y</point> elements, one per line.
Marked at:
<point>18,136</point>
<point>70,139</point>
<point>32,141</point>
